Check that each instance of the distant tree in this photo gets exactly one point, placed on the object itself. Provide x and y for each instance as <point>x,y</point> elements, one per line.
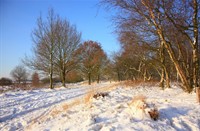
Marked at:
<point>35,79</point>
<point>5,81</point>
<point>19,74</point>
<point>92,57</point>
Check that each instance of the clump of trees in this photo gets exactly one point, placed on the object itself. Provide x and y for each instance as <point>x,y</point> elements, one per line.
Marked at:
<point>55,44</point>
<point>167,32</point>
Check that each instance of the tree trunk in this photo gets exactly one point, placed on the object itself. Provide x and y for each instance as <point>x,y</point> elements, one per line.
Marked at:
<point>89,78</point>
<point>195,58</point>
<point>198,94</point>
<point>195,51</point>
<point>161,84</point>
<point>168,46</point>
<point>118,75</point>
<point>98,78</point>
<point>167,79</point>
<point>51,71</point>
<point>51,81</point>
<point>63,79</point>
<point>171,53</point>
<point>162,59</point>
<point>145,75</point>
<point>182,76</point>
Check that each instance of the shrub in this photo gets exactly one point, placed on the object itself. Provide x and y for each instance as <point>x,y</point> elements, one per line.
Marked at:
<point>5,81</point>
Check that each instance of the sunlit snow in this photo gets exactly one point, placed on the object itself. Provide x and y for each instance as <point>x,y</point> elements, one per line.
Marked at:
<point>46,109</point>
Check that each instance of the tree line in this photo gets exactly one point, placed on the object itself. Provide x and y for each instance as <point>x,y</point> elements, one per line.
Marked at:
<point>159,39</point>
<point>58,50</point>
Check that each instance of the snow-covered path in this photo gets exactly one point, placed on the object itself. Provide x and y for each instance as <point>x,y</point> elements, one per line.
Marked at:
<point>18,109</point>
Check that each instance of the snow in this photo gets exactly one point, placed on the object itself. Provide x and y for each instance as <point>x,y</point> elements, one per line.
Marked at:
<point>5,88</point>
<point>75,109</point>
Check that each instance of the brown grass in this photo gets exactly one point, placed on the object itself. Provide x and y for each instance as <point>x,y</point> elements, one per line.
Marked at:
<point>140,97</point>
<point>65,107</point>
<point>135,83</point>
<point>130,83</point>
<point>55,112</point>
<point>88,97</point>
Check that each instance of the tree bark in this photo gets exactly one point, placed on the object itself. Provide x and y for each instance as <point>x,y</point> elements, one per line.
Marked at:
<point>195,51</point>
<point>162,59</point>
<point>167,79</point>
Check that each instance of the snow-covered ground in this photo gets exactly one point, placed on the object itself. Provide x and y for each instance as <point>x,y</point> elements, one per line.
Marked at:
<point>46,109</point>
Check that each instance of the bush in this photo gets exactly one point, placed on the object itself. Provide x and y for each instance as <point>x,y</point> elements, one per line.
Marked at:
<point>35,79</point>
<point>5,81</point>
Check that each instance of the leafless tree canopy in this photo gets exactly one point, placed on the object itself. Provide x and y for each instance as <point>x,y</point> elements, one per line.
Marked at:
<point>19,74</point>
<point>170,26</point>
<point>55,43</point>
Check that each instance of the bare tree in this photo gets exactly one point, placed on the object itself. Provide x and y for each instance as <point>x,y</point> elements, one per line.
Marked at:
<point>44,38</point>
<point>19,74</point>
<point>68,40</point>
<point>56,42</point>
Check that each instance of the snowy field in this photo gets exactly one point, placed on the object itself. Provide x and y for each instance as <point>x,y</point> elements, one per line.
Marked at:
<point>74,109</point>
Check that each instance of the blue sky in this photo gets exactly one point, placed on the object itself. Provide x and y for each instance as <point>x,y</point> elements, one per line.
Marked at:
<point>18,19</point>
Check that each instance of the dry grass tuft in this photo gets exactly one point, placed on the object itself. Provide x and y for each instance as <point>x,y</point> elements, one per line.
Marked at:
<point>88,97</point>
<point>139,102</point>
<point>139,97</point>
